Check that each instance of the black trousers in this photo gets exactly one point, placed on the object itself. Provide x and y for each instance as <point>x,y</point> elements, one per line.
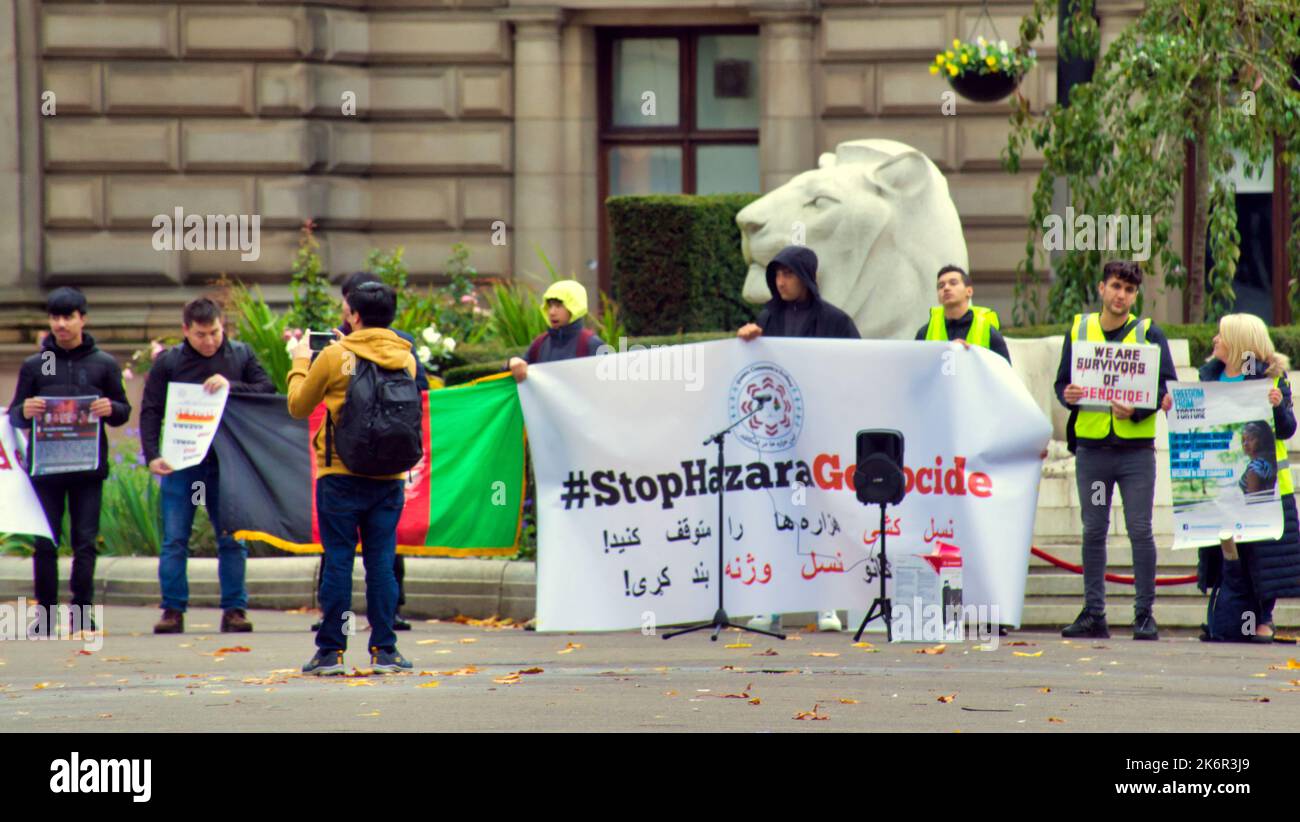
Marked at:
<point>399,571</point>
<point>81,497</point>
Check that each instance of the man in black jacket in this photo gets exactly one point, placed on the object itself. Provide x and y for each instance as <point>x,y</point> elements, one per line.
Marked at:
<point>797,310</point>
<point>207,357</point>
<point>69,365</point>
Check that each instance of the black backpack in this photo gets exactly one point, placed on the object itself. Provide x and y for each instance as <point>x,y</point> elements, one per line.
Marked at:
<point>379,428</point>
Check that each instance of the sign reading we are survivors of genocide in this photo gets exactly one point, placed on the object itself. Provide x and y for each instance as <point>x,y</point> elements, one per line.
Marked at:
<point>627,490</point>
<point>1125,373</point>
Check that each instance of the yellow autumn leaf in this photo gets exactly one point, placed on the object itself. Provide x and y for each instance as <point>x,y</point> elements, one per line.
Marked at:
<point>1022,653</point>
<point>741,645</point>
<point>435,683</point>
<point>823,653</point>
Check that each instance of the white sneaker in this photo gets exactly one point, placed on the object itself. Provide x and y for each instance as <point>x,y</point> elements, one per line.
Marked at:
<point>829,621</point>
<point>764,622</point>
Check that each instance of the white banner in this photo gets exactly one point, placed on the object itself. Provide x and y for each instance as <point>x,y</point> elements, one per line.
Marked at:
<point>21,512</point>
<point>628,522</point>
<point>1222,463</point>
<point>189,423</point>
<point>1109,372</point>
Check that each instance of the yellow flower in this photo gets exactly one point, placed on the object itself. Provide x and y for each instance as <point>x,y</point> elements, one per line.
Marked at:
<point>952,69</point>
<point>956,43</point>
<point>934,69</point>
<point>950,55</point>
<point>992,61</point>
<point>939,60</point>
<point>964,59</point>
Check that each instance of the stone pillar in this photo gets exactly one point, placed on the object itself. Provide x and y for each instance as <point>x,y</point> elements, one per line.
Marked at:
<point>787,126</point>
<point>19,176</point>
<point>539,179</point>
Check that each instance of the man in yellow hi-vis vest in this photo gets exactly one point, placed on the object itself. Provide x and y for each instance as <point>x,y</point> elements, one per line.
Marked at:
<point>1115,446</point>
<point>954,318</point>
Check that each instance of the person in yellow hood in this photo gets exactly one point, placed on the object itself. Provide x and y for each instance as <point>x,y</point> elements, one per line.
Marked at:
<point>351,507</point>
<point>563,305</point>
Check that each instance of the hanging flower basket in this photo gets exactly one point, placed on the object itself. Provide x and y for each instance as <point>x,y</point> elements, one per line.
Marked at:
<point>983,72</point>
<point>984,88</point>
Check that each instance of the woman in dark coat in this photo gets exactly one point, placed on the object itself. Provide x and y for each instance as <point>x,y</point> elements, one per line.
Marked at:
<point>1267,569</point>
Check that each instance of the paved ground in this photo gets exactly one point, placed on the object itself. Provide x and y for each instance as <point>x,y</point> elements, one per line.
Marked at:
<point>629,682</point>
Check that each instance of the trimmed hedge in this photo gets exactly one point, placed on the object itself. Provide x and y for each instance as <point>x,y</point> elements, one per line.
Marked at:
<point>1200,337</point>
<point>677,263</point>
<point>484,361</point>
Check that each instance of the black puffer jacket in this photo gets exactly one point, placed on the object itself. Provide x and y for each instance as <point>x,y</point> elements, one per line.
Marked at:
<point>811,317</point>
<point>1273,565</point>
<point>85,371</point>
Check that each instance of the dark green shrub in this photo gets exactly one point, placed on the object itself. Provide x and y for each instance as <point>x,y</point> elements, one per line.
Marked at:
<point>677,263</point>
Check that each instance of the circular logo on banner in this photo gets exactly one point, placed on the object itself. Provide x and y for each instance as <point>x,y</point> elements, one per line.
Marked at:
<point>776,427</point>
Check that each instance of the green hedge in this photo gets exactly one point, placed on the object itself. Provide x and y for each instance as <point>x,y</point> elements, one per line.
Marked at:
<point>677,264</point>
<point>485,360</point>
<point>1200,337</point>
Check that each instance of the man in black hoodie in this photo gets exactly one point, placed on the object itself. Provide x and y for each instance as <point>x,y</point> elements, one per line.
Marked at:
<point>69,365</point>
<point>797,310</point>
<point>205,357</point>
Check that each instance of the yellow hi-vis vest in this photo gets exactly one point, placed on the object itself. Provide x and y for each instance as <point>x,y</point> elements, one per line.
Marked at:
<point>1285,485</point>
<point>1096,425</point>
<point>984,320</point>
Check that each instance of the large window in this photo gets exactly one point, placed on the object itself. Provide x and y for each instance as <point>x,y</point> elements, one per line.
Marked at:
<point>678,115</point>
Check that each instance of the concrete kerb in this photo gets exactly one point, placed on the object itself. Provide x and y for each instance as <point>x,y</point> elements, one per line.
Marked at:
<point>436,588</point>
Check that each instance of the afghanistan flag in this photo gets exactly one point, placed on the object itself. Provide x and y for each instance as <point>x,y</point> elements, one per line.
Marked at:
<point>464,498</point>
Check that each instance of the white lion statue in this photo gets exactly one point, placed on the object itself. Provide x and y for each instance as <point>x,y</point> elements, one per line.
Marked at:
<point>878,215</point>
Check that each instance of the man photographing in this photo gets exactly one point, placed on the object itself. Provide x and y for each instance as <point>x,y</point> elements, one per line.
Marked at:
<point>1115,446</point>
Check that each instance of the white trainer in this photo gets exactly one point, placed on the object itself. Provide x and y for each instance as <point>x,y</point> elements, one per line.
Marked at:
<point>829,621</point>
<point>764,622</point>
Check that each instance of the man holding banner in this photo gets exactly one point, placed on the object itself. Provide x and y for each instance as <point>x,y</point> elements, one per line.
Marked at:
<point>204,357</point>
<point>69,365</point>
<point>1120,357</point>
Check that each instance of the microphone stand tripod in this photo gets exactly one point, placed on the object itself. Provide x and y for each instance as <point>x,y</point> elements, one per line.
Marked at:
<point>720,619</point>
<point>881,608</point>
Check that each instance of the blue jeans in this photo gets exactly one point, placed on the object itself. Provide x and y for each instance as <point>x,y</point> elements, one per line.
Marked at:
<point>179,492</point>
<point>348,508</point>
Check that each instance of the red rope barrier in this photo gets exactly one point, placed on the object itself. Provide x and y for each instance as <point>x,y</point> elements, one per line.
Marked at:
<point>1127,580</point>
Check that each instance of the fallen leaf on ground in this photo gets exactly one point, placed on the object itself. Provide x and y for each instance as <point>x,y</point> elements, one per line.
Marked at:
<point>105,716</point>
<point>814,714</point>
<point>670,693</point>
<point>238,649</point>
<point>823,653</point>
<point>468,670</point>
<point>428,642</point>
<point>1056,720</point>
<point>492,623</point>
<point>844,701</point>
<point>1044,690</point>
<point>84,652</point>
<point>768,652</point>
<point>1023,653</point>
<point>862,645</point>
<point>360,682</point>
<point>1019,643</point>
<point>467,640</point>
<point>742,695</point>
<point>508,679</point>
<point>530,671</point>
<point>937,649</point>
<point>372,713</point>
<point>741,645</point>
<point>431,684</point>
<point>946,698</point>
<point>755,701</point>
<point>569,647</point>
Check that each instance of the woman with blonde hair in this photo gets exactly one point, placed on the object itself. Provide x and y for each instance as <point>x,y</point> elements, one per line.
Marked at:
<point>1264,570</point>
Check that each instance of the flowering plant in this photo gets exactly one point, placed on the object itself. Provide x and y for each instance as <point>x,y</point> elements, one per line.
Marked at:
<point>436,350</point>
<point>982,57</point>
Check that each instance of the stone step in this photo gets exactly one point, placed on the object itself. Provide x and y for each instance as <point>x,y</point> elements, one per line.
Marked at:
<point>1170,612</point>
<point>1071,585</point>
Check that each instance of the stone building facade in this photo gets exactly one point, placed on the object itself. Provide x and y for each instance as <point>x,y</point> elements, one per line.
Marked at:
<point>475,121</point>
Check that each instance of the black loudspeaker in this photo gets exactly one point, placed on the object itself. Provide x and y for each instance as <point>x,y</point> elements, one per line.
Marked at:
<point>879,478</point>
